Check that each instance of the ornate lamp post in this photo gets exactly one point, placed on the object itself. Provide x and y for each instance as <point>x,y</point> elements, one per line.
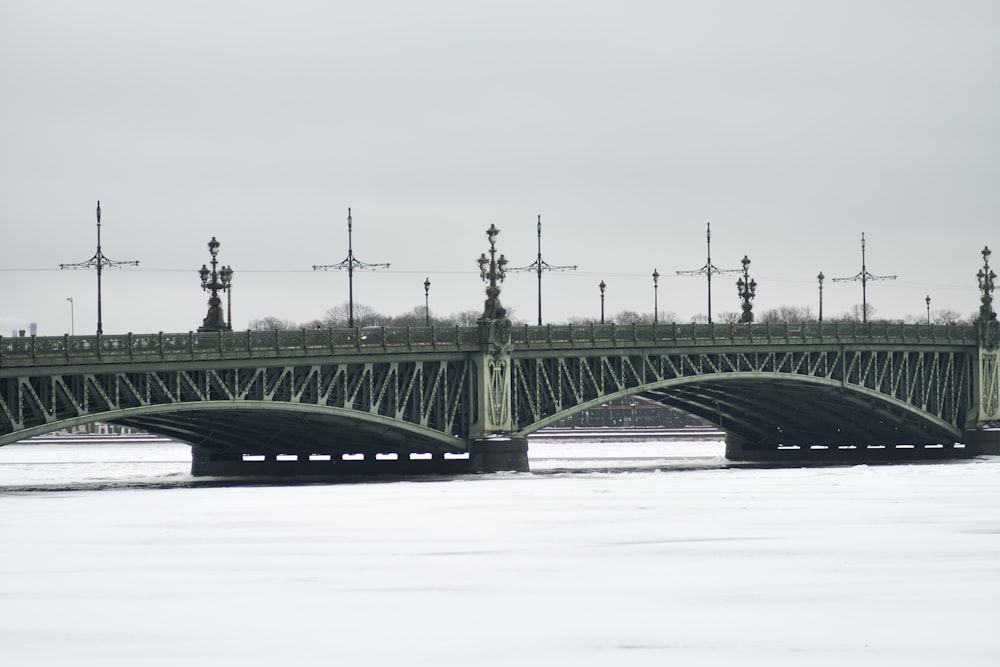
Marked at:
<point>350,263</point>
<point>72,318</point>
<point>864,277</point>
<point>987,280</point>
<point>747,290</point>
<point>708,270</point>
<point>656,296</point>
<point>820,277</point>
<point>540,265</point>
<point>928,301</point>
<point>493,270</point>
<point>214,281</point>
<point>603,287</point>
<point>427,302</point>
<point>99,261</point>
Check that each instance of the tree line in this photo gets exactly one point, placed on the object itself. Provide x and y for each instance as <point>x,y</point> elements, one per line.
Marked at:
<point>367,316</point>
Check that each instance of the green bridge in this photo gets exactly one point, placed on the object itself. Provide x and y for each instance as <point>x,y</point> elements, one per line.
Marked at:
<point>465,398</point>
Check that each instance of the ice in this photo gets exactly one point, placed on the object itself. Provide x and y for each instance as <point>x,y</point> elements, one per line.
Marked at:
<point>838,565</point>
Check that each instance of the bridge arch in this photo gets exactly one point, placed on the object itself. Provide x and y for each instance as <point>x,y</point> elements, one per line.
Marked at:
<point>768,409</point>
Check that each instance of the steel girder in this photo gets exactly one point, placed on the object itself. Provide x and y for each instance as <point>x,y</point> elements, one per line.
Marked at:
<point>786,394</point>
<point>366,403</point>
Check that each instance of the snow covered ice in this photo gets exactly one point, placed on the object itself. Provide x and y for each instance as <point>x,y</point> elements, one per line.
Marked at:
<point>636,562</point>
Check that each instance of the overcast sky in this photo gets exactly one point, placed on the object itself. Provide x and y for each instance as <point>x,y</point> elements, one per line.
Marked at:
<point>793,127</point>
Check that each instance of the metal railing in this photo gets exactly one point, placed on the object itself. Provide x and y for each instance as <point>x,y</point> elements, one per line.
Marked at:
<point>63,350</point>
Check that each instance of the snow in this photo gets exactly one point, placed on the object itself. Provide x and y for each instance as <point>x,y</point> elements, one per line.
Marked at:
<point>659,555</point>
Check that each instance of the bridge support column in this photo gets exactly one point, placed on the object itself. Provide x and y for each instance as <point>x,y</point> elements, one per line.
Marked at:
<point>208,463</point>
<point>986,384</point>
<point>492,448</point>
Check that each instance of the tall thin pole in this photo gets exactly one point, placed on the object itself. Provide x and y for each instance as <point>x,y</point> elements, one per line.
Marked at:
<point>99,261</point>
<point>350,263</point>
<point>708,269</point>
<point>928,300</point>
<point>427,302</point>
<point>820,277</point>
<point>864,277</point>
<point>656,304</point>
<point>538,266</point>
<point>72,317</point>
<point>603,286</point>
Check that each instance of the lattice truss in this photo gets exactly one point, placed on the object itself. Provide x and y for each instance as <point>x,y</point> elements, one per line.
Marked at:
<point>432,394</point>
<point>937,382</point>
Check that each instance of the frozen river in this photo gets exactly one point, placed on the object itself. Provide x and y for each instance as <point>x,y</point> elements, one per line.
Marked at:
<point>631,554</point>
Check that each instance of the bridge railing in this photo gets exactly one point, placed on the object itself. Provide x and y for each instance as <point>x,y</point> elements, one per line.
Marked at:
<point>45,351</point>
<point>39,351</point>
<point>647,335</point>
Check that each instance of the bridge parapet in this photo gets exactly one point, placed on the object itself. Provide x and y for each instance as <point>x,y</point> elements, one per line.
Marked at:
<point>193,346</point>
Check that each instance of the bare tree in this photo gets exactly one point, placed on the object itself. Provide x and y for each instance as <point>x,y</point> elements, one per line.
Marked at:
<point>271,323</point>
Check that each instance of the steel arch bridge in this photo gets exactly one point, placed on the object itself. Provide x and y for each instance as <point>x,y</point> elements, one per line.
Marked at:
<point>465,398</point>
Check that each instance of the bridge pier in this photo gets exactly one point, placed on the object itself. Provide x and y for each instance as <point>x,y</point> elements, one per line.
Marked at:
<point>499,455</point>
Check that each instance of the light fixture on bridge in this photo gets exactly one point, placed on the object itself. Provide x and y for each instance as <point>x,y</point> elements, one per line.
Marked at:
<point>99,261</point>
<point>747,288</point>
<point>928,300</point>
<point>350,263</point>
<point>656,304</point>
<point>987,280</point>
<point>427,302</point>
<point>540,265</point>
<point>708,269</point>
<point>864,277</point>
<point>493,270</point>
<point>820,278</point>
<point>603,286</point>
<point>216,280</point>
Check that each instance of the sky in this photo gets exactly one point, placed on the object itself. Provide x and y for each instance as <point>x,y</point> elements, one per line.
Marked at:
<point>792,127</point>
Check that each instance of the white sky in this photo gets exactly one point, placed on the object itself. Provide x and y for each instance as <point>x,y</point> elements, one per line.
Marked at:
<point>792,127</point>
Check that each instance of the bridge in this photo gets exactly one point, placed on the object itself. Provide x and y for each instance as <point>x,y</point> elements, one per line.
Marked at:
<point>464,399</point>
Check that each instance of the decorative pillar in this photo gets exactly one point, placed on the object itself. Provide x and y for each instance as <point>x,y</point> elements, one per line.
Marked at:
<point>986,383</point>
<point>492,447</point>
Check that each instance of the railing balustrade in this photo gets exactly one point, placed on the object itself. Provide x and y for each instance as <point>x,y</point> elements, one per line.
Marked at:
<point>40,350</point>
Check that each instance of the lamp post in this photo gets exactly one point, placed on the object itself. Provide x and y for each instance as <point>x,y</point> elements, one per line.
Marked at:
<point>493,270</point>
<point>350,263</point>
<point>427,302</point>
<point>987,279</point>
<point>820,277</point>
<point>99,261</point>
<point>864,277</point>
<point>72,318</point>
<point>656,303</point>
<point>708,270</point>
<point>747,289</point>
<point>928,300</point>
<point>603,286</point>
<point>214,281</point>
<point>540,265</point>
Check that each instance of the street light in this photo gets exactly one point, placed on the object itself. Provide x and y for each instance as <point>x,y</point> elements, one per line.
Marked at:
<point>99,261</point>
<point>350,263</point>
<point>493,270</point>
<point>987,279</point>
<point>864,277</point>
<point>708,270</point>
<point>656,304</point>
<point>72,327</point>
<point>928,300</point>
<point>214,281</point>
<point>603,287</point>
<point>820,277</point>
<point>427,302</point>
<point>540,265</point>
<point>747,289</point>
